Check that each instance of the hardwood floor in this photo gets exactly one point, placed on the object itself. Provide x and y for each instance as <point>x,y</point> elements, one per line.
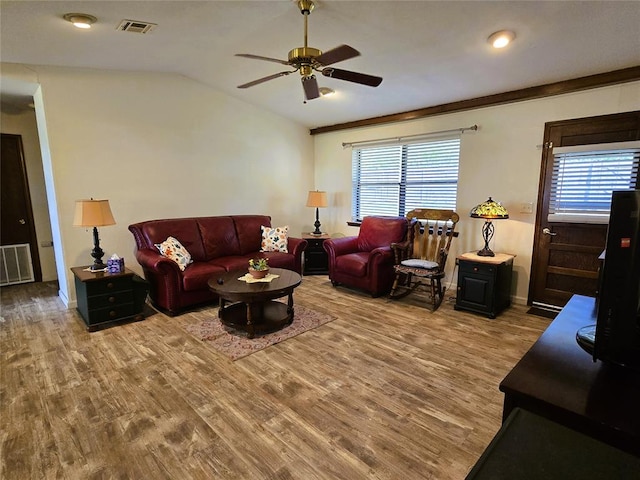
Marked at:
<point>386,391</point>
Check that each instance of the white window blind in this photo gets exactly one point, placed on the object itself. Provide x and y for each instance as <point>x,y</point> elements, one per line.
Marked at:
<point>584,177</point>
<point>394,179</point>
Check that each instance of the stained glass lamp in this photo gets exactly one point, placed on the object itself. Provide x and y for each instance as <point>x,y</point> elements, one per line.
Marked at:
<point>489,210</point>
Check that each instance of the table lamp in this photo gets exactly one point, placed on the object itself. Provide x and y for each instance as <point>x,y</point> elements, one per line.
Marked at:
<point>94,213</point>
<point>317,199</point>
<point>489,210</point>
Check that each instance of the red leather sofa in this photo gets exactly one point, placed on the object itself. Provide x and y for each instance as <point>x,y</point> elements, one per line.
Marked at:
<point>366,261</point>
<point>216,245</point>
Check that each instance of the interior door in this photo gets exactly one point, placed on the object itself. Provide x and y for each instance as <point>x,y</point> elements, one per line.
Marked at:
<point>16,216</point>
<point>565,255</point>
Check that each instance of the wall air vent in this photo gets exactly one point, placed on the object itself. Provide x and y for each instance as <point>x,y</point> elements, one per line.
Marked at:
<point>15,264</point>
<point>136,26</point>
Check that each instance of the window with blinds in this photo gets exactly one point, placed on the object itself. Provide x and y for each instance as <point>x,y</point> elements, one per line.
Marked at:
<point>394,179</point>
<point>584,177</point>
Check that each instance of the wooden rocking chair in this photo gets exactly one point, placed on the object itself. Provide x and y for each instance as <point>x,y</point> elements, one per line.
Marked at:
<point>420,260</point>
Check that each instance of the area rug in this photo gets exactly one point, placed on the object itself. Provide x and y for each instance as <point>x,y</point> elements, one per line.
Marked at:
<point>235,344</point>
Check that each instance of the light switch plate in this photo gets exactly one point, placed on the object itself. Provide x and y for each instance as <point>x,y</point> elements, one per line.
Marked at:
<point>526,207</point>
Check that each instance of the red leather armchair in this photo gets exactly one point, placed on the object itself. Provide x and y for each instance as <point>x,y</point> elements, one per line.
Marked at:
<point>366,261</point>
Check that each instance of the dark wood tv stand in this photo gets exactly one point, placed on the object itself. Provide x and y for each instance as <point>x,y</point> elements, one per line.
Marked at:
<point>558,380</point>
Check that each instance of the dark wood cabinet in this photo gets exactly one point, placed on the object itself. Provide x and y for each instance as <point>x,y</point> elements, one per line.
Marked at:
<point>558,380</point>
<point>105,298</point>
<point>484,283</point>
<point>530,446</point>
<point>316,261</point>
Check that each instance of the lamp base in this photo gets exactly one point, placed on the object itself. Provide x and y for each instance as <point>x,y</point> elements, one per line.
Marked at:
<point>317,225</point>
<point>487,234</point>
<point>97,253</point>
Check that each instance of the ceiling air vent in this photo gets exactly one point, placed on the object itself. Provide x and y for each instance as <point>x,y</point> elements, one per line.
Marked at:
<point>135,26</point>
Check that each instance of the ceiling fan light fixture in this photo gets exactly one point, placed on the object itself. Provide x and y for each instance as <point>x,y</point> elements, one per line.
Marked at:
<point>501,38</point>
<point>80,20</point>
<point>326,91</point>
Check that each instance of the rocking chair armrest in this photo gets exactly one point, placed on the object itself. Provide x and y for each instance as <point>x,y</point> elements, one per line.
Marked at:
<point>400,251</point>
<point>442,258</point>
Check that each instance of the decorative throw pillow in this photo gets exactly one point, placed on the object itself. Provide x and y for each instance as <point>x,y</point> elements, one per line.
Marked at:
<point>417,263</point>
<point>274,239</point>
<point>173,249</point>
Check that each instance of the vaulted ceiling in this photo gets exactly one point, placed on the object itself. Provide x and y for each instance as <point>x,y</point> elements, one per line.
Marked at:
<point>428,52</point>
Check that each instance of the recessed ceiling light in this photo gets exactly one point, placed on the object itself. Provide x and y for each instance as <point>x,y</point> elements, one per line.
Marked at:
<point>80,20</point>
<point>326,91</point>
<point>501,39</point>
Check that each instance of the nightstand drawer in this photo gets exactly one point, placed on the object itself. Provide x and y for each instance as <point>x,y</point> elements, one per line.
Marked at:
<point>477,268</point>
<point>315,243</point>
<point>108,314</point>
<point>109,285</point>
<point>110,299</point>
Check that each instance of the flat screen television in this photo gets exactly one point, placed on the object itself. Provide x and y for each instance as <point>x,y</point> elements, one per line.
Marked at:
<point>616,337</point>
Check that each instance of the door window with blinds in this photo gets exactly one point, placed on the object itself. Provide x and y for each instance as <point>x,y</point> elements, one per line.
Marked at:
<point>584,177</point>
<point>393,179</point>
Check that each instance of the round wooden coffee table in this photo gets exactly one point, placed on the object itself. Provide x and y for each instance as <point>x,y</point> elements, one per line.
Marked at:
<point>252,307</point>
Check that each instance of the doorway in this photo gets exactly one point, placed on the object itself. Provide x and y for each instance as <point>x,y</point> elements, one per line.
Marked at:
<point>566,255</point>
<point>17,235</point>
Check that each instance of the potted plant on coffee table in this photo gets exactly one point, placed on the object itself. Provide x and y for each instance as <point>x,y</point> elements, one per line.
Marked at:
<point>259,267</point>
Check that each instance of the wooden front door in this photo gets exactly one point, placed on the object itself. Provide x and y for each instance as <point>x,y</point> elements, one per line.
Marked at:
<point>565,255</point>
<point>16,216</point>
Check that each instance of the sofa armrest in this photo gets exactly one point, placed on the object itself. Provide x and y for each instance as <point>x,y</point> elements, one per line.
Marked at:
<point>296,246</point>
<point>151,260</point>
<point>162,272</point>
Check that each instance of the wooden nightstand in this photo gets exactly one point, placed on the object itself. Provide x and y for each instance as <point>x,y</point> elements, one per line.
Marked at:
<point>316,261</point>
<point>484,283</point>
<point>105,298</point>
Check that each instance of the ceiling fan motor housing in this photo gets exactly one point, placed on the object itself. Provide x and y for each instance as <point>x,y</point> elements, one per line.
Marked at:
<point>302,59</point>
<point>303,55</point>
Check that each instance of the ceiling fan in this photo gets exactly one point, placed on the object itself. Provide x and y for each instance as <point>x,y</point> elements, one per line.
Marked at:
<point>306,60</point>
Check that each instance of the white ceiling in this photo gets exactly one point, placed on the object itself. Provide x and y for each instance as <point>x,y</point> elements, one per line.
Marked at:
<point>428,52</point>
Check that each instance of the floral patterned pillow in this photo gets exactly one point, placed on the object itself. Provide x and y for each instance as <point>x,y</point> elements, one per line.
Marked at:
<point>274,239</point>
<point>173,249</point>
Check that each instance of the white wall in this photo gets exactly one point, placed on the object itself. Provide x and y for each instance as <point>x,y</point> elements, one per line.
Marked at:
<point>162,146</point>
<point>23,122</point>
<point>502,159</point>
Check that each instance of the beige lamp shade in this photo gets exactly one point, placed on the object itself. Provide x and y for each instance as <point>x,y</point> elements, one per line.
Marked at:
<point>93,213</point>
<point>317,199</point>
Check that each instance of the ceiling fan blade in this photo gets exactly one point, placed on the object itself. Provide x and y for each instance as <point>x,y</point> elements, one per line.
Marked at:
<point>264,79</point>
<point>355,77</point>
<point>258,57</point>
<point>310,86</point>
<point>338,54</point>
